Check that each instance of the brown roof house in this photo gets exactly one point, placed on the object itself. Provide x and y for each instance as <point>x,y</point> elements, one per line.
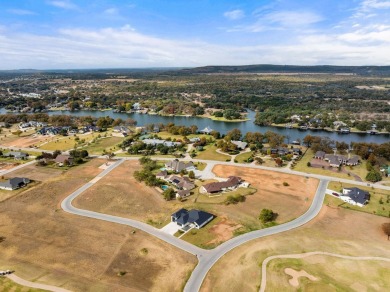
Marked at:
<point>64,159</point>
<point>232,183</point>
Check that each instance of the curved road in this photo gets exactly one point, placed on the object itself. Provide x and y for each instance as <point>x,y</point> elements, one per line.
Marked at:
<point>205,263</point>
<point>207,258</point>
<point>35,285</point>
<point>307,254</point>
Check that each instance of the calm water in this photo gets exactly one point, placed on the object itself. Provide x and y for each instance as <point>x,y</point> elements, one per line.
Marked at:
<point>224,127</point>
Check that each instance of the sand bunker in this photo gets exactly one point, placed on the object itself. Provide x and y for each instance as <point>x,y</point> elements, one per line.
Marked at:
<point>294,281</point>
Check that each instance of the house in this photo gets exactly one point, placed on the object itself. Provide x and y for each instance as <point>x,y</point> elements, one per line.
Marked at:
<point>352,161</point>
<point>162,174</point>
<point>355,196</point>
<point>319,155</point>
<point>215,187</point>
<point>182,194</point>
<point>14,183</point>
<point>16,155</point>
<point>240,145</point>
<point>206,130</point>
<point>63,159</point>
<point>193,218</point>
<point>155,142</point>
<point>194,140</point>
<point>182,183</point>
<point>178,166</point>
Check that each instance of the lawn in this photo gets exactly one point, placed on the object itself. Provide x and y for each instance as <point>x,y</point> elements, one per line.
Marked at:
<point>241,158</point>
<point>204,236</point>
<point>108,144</point>
<point>373,207</point>
<point>210,153</point>
<point>8,285</point>
<point>166,135</point>
<point>69,142</point>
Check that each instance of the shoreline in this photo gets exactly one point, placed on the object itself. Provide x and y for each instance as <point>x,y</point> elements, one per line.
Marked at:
<point>327,130</point>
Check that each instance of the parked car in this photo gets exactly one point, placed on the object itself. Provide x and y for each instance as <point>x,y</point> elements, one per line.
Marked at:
<point>336,194</point>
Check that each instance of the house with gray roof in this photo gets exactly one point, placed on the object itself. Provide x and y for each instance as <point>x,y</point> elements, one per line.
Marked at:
<point>16,155</point>
<point>206,130</point>
<point>240,145</point>
<point>193,218</point>
<point>178,166</point>
<point>14,183</point>
<point>319,155</point>
<point>355,196</point>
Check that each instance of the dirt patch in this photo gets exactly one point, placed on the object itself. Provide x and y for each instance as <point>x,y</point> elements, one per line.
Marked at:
<point>295,275</point>
<point>224,230</point>
<point>288,201</point>
<point>38,173</point>
<point>26,142</point>
<point>44,243</point>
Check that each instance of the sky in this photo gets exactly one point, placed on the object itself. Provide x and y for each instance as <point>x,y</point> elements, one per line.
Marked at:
<point>81,34</point>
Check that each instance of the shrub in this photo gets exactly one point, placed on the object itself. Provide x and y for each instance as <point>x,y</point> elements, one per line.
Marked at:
<point>285,184</point>
<point>308,164</point>
<point>267,215</point>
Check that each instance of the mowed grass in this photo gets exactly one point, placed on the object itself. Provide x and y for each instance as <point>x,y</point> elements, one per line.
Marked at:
<point>69,142</point>
<point>333,274</point>
<point>373,207</point>
<point>210,153</point>
<point>301,166</point>
<point>8,285</point>
<point>108,144</point>
<point>242,158</point>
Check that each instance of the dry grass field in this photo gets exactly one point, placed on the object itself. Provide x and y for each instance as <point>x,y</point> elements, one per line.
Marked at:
<point>334,230</point>
<point>43,243</point>
<point>120,194</point>
<point>8,285</point>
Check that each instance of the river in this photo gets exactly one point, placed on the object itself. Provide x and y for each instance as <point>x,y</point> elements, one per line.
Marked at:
<point>224,127</point>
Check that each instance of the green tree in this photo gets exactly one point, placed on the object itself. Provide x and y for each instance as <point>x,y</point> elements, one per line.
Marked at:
<point>374,176</point>
<point>169,194</point>
<point>267,215</point>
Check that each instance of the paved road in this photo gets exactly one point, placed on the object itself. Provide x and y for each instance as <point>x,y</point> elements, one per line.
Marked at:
<point>67,206</point>
<point>3,172</point>
<point>304,255</point>
<point>35,285</point>
<point>205,263</point>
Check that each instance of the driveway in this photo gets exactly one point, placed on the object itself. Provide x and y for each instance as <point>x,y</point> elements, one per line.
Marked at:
<point>171,228</point>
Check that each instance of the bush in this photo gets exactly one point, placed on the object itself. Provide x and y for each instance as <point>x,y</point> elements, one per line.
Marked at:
<point>267,215</point>
<point>234,199</point>
<point>285,184</point>
<point>169,194</point>
<point>308,164</point>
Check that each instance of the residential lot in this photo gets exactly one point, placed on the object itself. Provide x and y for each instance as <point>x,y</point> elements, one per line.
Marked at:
<point>335,230</point>
<point>120,194</point>
<point>45,244</point>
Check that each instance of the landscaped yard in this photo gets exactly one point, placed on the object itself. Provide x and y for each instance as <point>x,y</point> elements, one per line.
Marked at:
<point>210,153</point>
<point>373,207</point>
<point>241,158</point>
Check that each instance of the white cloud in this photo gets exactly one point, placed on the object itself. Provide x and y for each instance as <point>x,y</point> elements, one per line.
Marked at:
<point>20,12</point>
<point>293,18</point>
<point>234,14</point>
<point>63,4</point>
<point>375,4</point>
<point>111,11</point>
<point>124,47</point>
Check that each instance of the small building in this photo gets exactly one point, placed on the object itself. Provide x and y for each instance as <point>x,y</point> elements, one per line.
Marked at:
<point>206,130</point>
<point>355,196</point>
<point>319,155</point>
<point>180,194</point>
<point>182,183</point>
<point>240,145</point>
<point>16,155</point>
<point>14,183</point>
<point>162,174</point>
<point>352,161</point>
<point>63,159</point>
<point>193,218</point>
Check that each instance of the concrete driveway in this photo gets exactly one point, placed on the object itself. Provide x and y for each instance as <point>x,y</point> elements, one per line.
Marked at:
<point>171,228</point>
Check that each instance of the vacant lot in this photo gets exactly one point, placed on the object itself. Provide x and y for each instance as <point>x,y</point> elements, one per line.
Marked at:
<point>43,243</point>
<point>8,285</point>
<point>334,230</point>
<point>120,194</point>
<point>108,144</point>
<point>210,153</point>
<point>38,173</point>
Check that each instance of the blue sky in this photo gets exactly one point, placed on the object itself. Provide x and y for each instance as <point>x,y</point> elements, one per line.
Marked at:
<point>50,34</point>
